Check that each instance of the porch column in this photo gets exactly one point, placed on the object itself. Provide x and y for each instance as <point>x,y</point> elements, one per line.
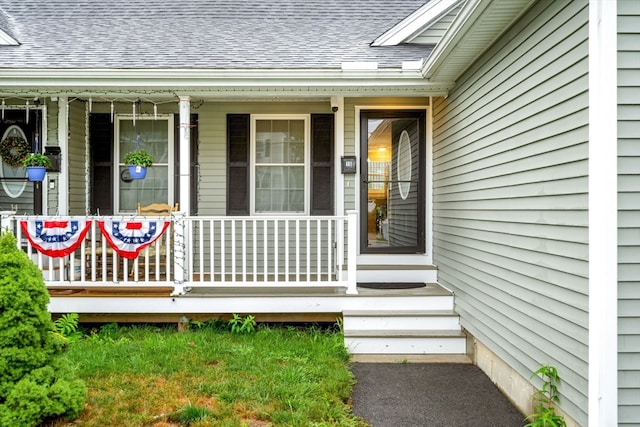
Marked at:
<point>63,142</point>
<point>185,153</point>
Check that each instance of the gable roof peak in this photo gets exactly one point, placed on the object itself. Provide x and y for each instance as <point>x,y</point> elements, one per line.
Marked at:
<point>417,22</point>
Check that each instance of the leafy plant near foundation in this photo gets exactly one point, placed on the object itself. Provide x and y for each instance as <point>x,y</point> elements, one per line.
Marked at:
<point>66,326</point>
<point>242,325</point>
<point>35,384</point>
<point>544,399</point>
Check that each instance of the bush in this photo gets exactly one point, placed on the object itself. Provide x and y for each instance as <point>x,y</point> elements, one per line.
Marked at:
<point>34,384</point>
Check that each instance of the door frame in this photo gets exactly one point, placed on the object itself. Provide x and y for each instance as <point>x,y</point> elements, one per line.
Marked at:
<point>362,116</point>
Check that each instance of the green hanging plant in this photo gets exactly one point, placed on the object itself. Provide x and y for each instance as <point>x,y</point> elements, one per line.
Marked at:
<point>138,158</point>
<point>36,159</point>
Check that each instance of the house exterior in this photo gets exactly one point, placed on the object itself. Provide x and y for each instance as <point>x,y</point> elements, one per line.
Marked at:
<point>489,146</point>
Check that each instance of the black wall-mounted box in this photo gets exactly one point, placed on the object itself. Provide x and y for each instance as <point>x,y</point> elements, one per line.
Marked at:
<point>349,164</point>
<point>54,154</point>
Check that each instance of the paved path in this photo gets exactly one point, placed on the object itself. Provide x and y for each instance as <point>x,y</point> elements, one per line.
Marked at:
<point>430,394</point>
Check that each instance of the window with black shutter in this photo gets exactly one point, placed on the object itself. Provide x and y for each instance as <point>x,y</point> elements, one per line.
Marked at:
<point>280,164</point>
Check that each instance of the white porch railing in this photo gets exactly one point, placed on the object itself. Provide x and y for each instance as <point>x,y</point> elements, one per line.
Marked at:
<point>208,251</point>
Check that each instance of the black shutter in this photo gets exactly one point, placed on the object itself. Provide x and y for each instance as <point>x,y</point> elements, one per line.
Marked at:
<point>238,128</point>
<point>322,164</point>
<point>101,149</point>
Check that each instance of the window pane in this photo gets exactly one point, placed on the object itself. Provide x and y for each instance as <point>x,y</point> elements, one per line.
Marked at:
<point>279,189</point>
<point>153,138</point>
<point>153,189</point>
<point>279,141</point>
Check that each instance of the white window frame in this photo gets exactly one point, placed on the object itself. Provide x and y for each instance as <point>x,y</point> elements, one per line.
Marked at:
<point>307,160</point>
<point>168,118</point>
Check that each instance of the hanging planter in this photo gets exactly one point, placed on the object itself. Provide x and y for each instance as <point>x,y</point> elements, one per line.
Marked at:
<point>36,165</point>
<point>137,172</point>
<point>138,161</point>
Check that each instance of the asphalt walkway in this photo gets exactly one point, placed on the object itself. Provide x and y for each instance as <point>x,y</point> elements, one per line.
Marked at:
<point>429,394</point>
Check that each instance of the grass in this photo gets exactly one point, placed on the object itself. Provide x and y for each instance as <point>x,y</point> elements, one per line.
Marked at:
<point>273,376</point>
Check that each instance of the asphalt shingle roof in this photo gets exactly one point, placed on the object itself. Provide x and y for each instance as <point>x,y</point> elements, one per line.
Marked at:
<point>203,34</point>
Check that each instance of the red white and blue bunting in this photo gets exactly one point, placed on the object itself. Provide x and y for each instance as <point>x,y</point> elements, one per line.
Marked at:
<point>55,238</point>
<point>128,238</point>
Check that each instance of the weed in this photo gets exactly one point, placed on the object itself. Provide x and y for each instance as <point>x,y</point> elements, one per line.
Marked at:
<point>544,399</point>
<point>190,415</point>
<point>242,325</point>
<point>66,327</point>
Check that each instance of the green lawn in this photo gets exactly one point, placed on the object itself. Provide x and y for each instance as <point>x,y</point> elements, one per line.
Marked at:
<point>212,376</point>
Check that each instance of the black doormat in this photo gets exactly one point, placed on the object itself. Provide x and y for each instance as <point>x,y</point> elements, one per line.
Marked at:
<point>383,285</point>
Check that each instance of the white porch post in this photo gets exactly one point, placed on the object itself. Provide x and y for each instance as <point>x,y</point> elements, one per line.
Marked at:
<point>63,142</point>
<point>352,251</point>
<point>181,252</point>
<point>185,153</point>
<point>603,214</point>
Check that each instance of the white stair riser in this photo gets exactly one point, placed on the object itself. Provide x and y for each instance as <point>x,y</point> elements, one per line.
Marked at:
<point>402,303</point>
<point>417,345</point>
<point>397,276</point>
<point>406,323</point>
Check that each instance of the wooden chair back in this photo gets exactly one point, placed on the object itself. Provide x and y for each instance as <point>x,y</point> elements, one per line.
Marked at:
<point>156,209</point>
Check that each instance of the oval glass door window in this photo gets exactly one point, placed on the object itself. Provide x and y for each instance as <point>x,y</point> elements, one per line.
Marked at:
<point>404,165</point>
<point>13,187</point>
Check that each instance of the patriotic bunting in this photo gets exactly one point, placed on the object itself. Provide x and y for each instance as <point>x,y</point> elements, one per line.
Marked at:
<point>128,238</point>
<point>56,238</point>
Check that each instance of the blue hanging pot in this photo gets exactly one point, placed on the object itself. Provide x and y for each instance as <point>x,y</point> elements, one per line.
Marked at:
<point>36,173</point>
<point>137,172</point>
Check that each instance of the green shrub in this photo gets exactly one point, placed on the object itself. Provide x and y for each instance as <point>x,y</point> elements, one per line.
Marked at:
<point>34,384</point>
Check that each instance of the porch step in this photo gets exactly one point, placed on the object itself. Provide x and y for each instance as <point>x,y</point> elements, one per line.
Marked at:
<point>410,320</point>
<point>403,332</point>
<point>392,273</point>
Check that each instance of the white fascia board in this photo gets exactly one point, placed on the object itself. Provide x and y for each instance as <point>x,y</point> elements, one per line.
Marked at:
<point>225,82</point>
<point>469,13</point>
<point>419,20</point>
<point>7,40</point>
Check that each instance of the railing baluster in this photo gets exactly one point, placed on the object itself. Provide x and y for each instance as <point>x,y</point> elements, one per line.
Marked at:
<point>223,252</point>
<point>265,226</point>
<point>244,250</point>
<point>212,250</point>
<point>287,279</point>
<point>254,245</point>
<point>319,249</point>
<point>276,251</point>
<point>233,251</point>
<point>298,266</point>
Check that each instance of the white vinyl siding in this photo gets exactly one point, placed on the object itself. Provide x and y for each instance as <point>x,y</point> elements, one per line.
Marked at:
<point>629,212</point>
<point>510,197</point>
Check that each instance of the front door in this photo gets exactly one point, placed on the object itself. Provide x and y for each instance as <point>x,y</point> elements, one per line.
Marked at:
<point>392,191</point>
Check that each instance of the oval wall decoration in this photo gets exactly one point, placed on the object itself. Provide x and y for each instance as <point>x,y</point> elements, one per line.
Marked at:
<point>13,188</point>
<point>404,165</point>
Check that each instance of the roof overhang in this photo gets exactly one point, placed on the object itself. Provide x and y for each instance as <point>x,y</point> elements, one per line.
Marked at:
<point>416,22</point>
<point>476,27</point>
<point>216,83</point>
